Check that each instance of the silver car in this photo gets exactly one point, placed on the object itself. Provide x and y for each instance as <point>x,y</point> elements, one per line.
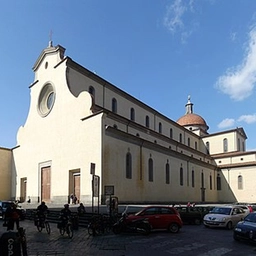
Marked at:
<point>224,216</point>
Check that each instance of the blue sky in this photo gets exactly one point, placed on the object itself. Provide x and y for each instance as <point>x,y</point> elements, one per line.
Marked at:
<point>159,51</point>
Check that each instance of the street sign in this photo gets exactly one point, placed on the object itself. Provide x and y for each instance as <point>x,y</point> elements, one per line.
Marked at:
<point>92,171</point>
<point>96,185</point>
<point>109,190</point>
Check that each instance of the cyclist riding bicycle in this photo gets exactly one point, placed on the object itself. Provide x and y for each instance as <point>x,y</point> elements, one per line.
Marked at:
<point>65,214</point>
<point>41,212</point>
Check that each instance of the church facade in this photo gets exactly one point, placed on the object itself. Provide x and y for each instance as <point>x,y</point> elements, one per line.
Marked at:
<point>85,136</point>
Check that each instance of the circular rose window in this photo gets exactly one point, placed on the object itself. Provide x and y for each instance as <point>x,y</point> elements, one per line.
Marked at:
<point>46,100</point>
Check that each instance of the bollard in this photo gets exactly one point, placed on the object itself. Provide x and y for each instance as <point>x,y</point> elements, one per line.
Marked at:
<point>10,244</point>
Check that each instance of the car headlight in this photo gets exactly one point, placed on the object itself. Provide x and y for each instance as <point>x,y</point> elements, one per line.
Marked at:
<point>224,218</point>
<point>238,229</point>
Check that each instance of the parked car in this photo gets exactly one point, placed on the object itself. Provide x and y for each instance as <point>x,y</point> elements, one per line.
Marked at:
<point>246,229</point>
<point>160,217</point>
<point>5,204</point>
<point>132,209</point>
<point>247,207</point>
<point>224,216</point>
<point>190,215</point>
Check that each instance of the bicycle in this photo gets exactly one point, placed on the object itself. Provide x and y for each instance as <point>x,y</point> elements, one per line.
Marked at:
<point>66,226</point>
<point>99,225</point>
<point>41,222</point>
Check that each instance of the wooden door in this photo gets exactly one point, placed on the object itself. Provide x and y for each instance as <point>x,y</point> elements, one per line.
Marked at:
<point>77,186</point>
<point>46,184</point>
<point>23,189</point>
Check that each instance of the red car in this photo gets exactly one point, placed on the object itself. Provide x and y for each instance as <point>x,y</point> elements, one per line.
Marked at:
<point>160,217</point>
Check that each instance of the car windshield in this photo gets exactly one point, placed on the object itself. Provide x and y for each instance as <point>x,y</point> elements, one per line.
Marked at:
<point>250,217</point>
<point>221,210</point>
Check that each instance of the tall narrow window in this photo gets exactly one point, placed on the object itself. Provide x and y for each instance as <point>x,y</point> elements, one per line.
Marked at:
<point>92,91</point>
<point>240,182</point>
<point>147,121</point>
<point>180,138</point>
<point>150,169</point>
<point>128,165</point>
<point>189,142</point>
<point>114,105</point>
<point>243,146</point>
<point>132,117</point>
<point>181,176</point>
<point>196,145</point>
<point>208,147</point>
<point>218,182</point>
<point>225,145</point>
<point>167,173</point>
<point>193,178</point>
<point>160,127</point>
<point>171,133</point>
<point>238,145</point>
<point>202,180</point>
<point>210,182</point>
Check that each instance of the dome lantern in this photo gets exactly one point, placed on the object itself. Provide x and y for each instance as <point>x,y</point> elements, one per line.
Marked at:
<point>191,121</point>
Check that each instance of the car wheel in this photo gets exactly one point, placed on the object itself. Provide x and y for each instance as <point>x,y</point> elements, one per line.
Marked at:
<point>229,225</point>
<point>173,228</point>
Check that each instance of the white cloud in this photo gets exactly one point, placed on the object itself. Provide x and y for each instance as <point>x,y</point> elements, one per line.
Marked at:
<point>173,17</point>
<point>238,82</point>
<point>228,122</point>
<point>249,119</point>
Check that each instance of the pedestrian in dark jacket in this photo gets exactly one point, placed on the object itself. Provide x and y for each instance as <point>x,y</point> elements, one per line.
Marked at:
<point>12,216</point>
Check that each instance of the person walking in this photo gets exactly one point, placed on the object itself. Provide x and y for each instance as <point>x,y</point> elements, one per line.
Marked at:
<point>12,216</point>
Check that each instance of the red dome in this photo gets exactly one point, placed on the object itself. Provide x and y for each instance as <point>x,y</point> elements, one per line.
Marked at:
<point>191,119</point>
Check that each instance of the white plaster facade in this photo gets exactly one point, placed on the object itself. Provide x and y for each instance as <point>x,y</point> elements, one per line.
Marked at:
<point>77,119</point>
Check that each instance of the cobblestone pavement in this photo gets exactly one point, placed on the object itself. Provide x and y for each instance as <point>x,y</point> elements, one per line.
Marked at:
<point>190,241</point>
<point>40,243</point>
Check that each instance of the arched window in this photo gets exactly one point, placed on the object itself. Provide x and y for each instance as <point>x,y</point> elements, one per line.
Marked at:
<point>181,176</point>
<point>128,165</point>
<point>132,117</point>
<point>171,133</point>
<point>150,169</point>
<point>180,138</point>
<point>208,147</point>
<point>193,178</point>
<point>225,145</point>
<point>147,121</point>
<point>210,182</point>
<point>167,173</point>
<point>218,182</point>
<point>92,91</point>
<point>240,182</point>
<point>114,105</point>
<point>160,127</point>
